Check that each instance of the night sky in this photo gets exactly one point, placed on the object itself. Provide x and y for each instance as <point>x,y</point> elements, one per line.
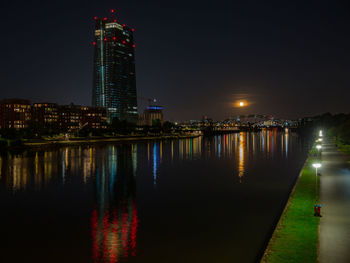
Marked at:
<point>287,58</point>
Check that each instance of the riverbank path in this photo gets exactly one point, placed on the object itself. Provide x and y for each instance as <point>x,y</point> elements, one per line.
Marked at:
<point>334,242</point>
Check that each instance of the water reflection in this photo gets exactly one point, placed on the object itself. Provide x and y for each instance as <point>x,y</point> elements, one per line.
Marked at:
<point>114,220</point>
<point>156,161</point>
<point>111,172</point>
<point>41,167</point>
<point>190,149</point>
<point>286,141</point>
<point>241,153</point>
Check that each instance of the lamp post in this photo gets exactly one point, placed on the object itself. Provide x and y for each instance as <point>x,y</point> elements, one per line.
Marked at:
<point>316,166</point>
<point>318,147</point>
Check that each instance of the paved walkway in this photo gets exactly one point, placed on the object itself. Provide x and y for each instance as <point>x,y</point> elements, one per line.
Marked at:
<point>335,199</point>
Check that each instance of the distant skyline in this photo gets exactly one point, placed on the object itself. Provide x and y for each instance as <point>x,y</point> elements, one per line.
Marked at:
<point>197,58</point>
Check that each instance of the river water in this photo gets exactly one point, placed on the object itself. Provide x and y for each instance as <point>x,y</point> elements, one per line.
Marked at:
<point>190,200</point>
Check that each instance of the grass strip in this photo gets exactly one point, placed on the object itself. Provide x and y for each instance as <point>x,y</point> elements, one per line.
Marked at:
<point>295,238</point>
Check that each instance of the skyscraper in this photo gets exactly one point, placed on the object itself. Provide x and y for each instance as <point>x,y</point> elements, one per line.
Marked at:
<point>114,80</point>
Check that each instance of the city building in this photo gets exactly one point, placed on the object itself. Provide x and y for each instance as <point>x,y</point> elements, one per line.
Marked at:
<point>114,81</point>
<point>45,115</point>
<point>94,117</point>
<point>18,113</point>
<point>69,117</point>
<point>14,113</point>
<point>74,117</point>
<point>150,114</point>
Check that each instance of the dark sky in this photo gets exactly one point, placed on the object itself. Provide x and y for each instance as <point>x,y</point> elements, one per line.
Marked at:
<point>288,58</point>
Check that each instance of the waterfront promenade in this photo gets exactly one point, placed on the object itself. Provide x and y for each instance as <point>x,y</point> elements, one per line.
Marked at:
<point>334,239</point>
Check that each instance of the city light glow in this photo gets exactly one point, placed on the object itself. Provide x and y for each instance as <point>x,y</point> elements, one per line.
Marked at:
<point>318,147</point>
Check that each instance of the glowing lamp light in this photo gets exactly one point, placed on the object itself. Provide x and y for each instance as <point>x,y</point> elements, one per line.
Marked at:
<point>105,39</point>
<point>115,20</point>
<point>132,29</point>
<point>320,139</point>
<point>124,25</point>
<point>114,38</point>
<point>95,17</point>
<point>112,10</point>
<point>134,45</point>
<point>241,104</point>
<point>316,165</point>
<point>124,42</point>
<point>105,18</point>
<point>318,147</point>
<point>94,43</point>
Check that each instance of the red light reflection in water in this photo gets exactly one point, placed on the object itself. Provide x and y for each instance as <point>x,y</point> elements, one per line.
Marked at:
<point>114,233</point>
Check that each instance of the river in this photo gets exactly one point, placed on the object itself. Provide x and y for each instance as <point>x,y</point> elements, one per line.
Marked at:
<point>212,199</point>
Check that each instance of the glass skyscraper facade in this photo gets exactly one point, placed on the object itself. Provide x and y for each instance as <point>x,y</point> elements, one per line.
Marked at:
<point>114,80</point>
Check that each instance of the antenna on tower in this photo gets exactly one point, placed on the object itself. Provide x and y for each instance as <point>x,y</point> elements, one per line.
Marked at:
<point>113,14</point>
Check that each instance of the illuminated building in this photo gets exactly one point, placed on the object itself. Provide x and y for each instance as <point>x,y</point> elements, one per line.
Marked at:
<point>17,113</point>
<point>69,117</point>
<point>94,117</point>
<point>114,81</point>
<point>45,115</point>
<point>150,114</point>
<point>74,117</point>
<point>14,113</point>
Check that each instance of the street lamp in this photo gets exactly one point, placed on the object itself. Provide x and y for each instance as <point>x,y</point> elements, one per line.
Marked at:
<point>320,133</point>
<point>318,147</point>
<point>316,165</point>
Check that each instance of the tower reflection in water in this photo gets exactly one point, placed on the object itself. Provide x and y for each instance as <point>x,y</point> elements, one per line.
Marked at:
<point>111,171</point>
<point>114,219</point>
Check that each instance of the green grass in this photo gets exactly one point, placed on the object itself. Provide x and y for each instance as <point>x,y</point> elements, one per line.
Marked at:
<point>295,238</point>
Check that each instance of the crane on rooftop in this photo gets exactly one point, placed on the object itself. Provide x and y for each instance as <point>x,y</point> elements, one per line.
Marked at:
<point>150,100</point>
